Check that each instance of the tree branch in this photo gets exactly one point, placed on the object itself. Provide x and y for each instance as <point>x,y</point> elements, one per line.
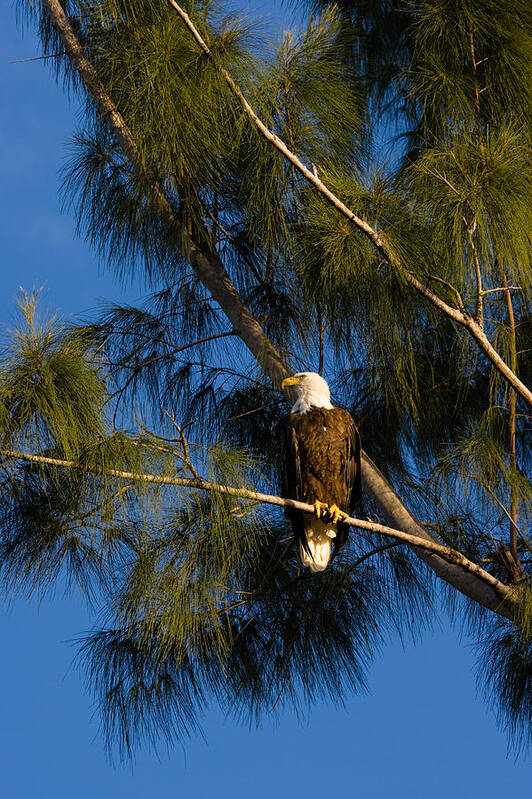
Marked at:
<point>454,557</point>
<point>502,288</point>
<point>513,522</point>
<point>461,317</point>
<point>512,403</point>
<point>479,314</point>
<point>184,443</point>
<point>36,58</point>
<point>375,551</point>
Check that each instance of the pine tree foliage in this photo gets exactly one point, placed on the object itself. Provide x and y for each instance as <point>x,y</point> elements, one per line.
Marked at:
<point>51,389</point>
<point>261,636</point>
<point>208,602</point>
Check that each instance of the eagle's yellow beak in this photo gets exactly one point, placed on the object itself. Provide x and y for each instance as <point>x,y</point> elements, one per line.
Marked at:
<point>290,381</point>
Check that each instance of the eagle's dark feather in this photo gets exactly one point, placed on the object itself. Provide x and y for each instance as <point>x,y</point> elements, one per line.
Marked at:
<point>320,453</point>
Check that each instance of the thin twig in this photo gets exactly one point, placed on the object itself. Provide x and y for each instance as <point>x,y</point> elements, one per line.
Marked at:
<point>452,289</point>
<point>479,314</point>
<point>214,218</point>
<point>442,179</point>
<point>498,502</point>
<point>121,491</point>
<point>375,551</point>
<point>37,58</point>
<point>184,444</point>
<point>502,288</point>
<point>174,350</point>
<point>234,606</point>
<point>253,410</point>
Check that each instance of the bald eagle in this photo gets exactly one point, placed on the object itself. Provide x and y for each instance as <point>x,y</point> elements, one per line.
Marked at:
<point>321,466</point>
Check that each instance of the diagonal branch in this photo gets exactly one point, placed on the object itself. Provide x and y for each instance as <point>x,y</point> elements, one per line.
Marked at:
<point>373,552</point>
<point>211,272</point>
<point>459,315</point>
<point>503,591</point>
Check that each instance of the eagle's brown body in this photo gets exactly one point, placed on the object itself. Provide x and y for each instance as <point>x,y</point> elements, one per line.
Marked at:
<point>321,461</point>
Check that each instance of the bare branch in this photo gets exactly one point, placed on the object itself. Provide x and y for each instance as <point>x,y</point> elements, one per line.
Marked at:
<point>442,179</point>
<point>375,551</point>
<point>479,314</point>
<point>36,58</point>
<point>450,555</point>
<point>463,318</point>
<point>184,443</point>
<point>502,288</point>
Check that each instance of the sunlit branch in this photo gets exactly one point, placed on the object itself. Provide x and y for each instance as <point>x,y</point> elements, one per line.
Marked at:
<point>512,402</point>
<point>449,554</point>
<point>501,288</point>
<point>458,315</point>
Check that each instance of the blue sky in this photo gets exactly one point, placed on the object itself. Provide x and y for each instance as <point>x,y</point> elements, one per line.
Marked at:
<point>421,732</point>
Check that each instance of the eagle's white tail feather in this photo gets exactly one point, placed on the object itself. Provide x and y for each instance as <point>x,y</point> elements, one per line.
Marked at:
<point>319,539</point>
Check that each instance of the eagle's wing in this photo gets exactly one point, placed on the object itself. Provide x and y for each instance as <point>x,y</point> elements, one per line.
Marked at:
<point>291,479</point>
<point>353,478</point>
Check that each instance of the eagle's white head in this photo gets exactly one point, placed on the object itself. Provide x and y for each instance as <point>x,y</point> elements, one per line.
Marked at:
<point>311,389</point>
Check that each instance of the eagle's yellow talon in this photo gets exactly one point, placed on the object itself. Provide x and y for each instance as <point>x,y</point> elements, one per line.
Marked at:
<point>320,508</point>
<point>336,514</point>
